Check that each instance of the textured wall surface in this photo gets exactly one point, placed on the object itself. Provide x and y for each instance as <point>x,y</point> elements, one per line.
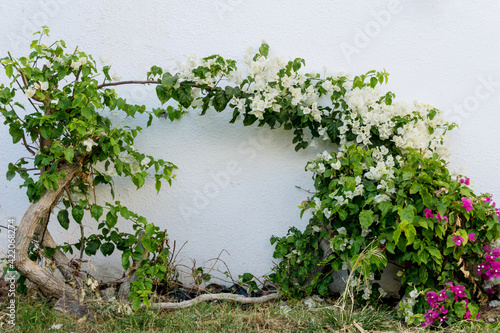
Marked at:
<point>236,186</point>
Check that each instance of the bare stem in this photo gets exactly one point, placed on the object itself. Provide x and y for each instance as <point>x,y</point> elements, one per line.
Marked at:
<point>110,84</point>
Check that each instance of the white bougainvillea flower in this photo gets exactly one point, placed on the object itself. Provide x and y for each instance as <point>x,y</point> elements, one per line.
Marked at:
<point>116,77</point>
<point>104,60</point>
<point>30,92</point>
<point>42,86</point>
<point>76,65</point>
<point>89,143</point>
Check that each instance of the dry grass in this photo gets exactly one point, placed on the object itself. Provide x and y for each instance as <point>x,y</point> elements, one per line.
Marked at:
<point>35,314</point>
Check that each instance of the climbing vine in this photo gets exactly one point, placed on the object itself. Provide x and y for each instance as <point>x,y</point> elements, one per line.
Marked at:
<point>384,186</point>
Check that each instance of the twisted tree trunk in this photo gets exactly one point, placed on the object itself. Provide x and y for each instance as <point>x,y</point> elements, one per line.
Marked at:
<point>45,280</point>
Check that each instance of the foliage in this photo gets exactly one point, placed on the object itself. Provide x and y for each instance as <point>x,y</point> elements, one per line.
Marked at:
<point>424,220</point>
<point>449,304</point>
<point>38,315</point>
<point>384,188</point>
<point>67,124</point>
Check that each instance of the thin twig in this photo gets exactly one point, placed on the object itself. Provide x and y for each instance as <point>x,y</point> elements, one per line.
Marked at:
<point>82,231</point>
<point>27,146</point>
<point>303,189</point>
<point>110,84</point>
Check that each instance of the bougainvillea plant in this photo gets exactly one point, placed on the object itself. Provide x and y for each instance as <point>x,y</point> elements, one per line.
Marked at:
<point>384,183</point>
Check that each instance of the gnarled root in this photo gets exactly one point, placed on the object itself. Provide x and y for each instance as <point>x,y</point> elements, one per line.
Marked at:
<point>216,297</point>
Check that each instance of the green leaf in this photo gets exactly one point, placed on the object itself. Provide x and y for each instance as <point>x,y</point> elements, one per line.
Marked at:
<point>246,277</point>
<point>69,153</point>
<point>391,246</point>
<point>474,309</point>
<point>426,197</point>
<point>96,212</point>
<point>9,71</point>
<point>126,259</point>
<point>385,207</point>
<point>136,303</point>
<point>407,213</point>
<point>145,300</point>
<point>410,233</point>
<point>323,289</point>
<point>138,180</point>
<point>63,218</point>
<point>158,185</point>
<point>264,49</point>
<point>220,101</point>
<point>77,213</point>
<point>460,308</point>
<point>366,218</point>
<point>342,214</point>
<point>10,174</point>
<point>107,248</point>
<point>434,252</point>
<point>148,231</point>
<point>168,80</point>
<point>396,235</point>
<point>16,132</point>
<point>92,247</point>
<point>415,188</point>
<point>146,243</point>
<point>111,219</point>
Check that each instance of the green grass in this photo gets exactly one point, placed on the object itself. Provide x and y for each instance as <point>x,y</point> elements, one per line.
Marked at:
<point>35,314</point>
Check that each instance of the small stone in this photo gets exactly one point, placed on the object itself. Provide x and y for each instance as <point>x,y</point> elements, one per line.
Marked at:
<point>72,307</point>
<point>495,303</point>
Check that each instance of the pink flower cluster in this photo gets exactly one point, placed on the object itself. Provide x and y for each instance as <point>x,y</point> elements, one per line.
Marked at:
<point>497,210</point>
<point>429,215</point>
<point>459,240</point>
<point>490,268</point>
<point>438,312</point>
<point>465,181</point>
<point>467,204</point>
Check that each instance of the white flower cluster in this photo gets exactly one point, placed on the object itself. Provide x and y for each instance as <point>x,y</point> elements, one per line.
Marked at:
<point>262,82</point>
<point>382,174</point>
<point>405,307</point>
<point>37,86</point>
<point>268,84</point>
<point>370,111</point>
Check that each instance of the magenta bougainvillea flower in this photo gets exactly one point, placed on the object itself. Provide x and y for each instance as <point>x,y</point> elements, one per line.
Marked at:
<point>431,296</point>
<point>467,204</point>
<point>439,217</point>
<point>438,304</point>
<point>442,296</point>
<point>458,240</point>
<point>494,271</point>
<point>467,314</point>
<point>428,213</point>
<point>472,237</point>
<point>465,181</point>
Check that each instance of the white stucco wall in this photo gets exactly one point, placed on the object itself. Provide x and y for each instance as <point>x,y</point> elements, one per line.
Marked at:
<point>442,52</point>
